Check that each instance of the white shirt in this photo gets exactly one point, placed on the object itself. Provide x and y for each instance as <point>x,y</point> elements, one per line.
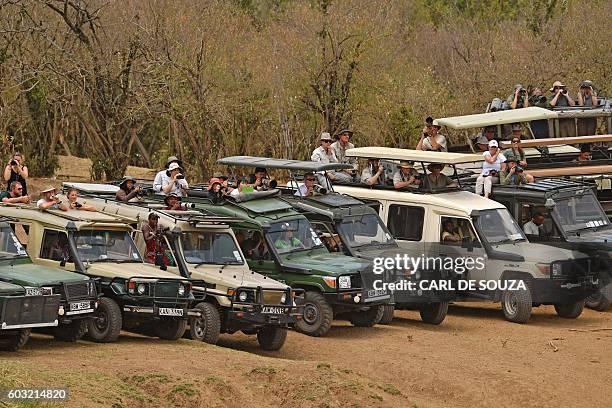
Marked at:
<point>40,202</point>
<point>320,155</point>
<point>440,139</point>
<point>531,228</point>
<point>301,191</point>
<point>487,167</point>
<point>162,179</point>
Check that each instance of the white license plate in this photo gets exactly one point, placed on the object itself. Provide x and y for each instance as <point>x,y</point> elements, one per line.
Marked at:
<point>34,291</point>
<point>376,292</point>
<point>273,310</point>
<point>166,311</point>
<point>79,306</point>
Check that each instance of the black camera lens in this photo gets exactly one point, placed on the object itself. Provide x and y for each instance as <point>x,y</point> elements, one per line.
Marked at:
<point>13,162</point>
<point>180,177</point>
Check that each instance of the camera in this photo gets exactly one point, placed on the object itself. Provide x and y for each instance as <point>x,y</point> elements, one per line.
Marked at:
<point>522,91</point>
<point>13,162</point>
<point>180,176</point>
<point>78,205</point>
<point>519,169</point>
<point>232,184</point>
<point>564,91</point>
<point>496,105</point>
<point>319,190</point>
<point>266,182</point>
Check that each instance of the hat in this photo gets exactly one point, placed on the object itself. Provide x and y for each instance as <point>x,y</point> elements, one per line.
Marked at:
<point>125,180</point>
<point>556,84</point>
<point>586,83</point>
<point>491,128</point>
<point>48,189</point>
<point>261,169</point>
<point>510,158</point>
<point>325,136</point>
<point>493,143</point>
<point>173,159</point>
<point>519,86</point>
<point>174,166</point>
<point>344,130</point>
<point>584,147</point>
<point>430,166</point>
<point>516,126</point>
<point>219,175</point>
<point>213,181</point>
<point>167,198</point>
<point>406,164</point>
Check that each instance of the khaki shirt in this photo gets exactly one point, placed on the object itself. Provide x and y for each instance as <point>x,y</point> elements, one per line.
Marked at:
<point>340,153</point>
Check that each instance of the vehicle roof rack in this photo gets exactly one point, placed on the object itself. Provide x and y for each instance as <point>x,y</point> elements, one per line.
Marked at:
<point>496,118</point>
<point>413,155</point>
<point>283,164</point>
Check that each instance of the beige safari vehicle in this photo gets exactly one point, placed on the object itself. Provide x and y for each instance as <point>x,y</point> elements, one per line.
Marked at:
<point>505,267</point>
<point>202,246</point>
<point>137,296</point>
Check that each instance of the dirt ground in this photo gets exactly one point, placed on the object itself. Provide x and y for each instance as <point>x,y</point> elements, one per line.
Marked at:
<point>474,358</point>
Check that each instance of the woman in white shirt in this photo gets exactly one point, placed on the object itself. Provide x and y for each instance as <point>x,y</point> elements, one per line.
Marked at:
<point>491,167</point>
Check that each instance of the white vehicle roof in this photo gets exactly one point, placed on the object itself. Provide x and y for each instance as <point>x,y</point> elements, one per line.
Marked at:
<point>462,201</point>
<point>389,153</point>
<point>91,187</point>
<point>496,118</point>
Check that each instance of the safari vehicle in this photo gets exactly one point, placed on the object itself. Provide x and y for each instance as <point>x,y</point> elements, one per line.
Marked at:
<point>20,313</point>
<point>203,246</point>
<point>280,243</point>
<point>137,296</point>
<point>78,293</point>
<point>507,268</point>
<point>573,219</point>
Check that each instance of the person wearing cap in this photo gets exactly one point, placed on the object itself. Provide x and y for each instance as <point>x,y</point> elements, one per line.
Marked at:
<point>436,179</point>
<point>325,154</point>
<point>374,173</point>
<point>483,139</point>
<point>174,181</point>
<point>585,153</point>
<point>215,189</point>
<point>50,200</point>
<point>561,98</point>
<point>491,167</point>
<point>587,97</point>
<point>14,195</point>
<point>406,176</point>
<point>519,99</point>
<point>161,177</point>
<point>430,139</point>
<point>513,174</point>
<point>339,147</point>
<point>173,203</point>
<point>127,189</point>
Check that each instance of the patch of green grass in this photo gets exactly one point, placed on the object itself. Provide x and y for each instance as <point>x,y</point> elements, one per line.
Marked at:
<point>269,371</point>
<point>390,389</point>
<point>187,390</point>
<point>376,397</point>
<point>213,379</point>
<point>323,366</point>
<point>160,378</point>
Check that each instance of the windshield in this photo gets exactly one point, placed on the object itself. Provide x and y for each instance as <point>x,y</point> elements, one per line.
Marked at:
<point>10,246</point>
<point>100,245</point>
<point>364,230</point>
<point>294,235</point>
<point>205,247</point>
<point>498,226</point>
<point>580,212</point>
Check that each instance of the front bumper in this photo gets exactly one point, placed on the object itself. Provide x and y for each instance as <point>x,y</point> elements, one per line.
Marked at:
<point>162,312</point>
<point>257,311</point>
<point>550,291</point>
<point>21,312</point>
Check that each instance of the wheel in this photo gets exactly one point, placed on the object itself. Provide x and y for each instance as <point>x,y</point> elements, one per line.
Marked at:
<point>433,313</point>
<point>107,325</point>
<point>171,329</point>
<point>387,316</point>
<point>14,341</point>
<point>569,310</point>
<point>598,301</point>
<point>271,338</point>
<point>517,305</point>
<point>207,327</point>
<point>367,318</point>
<point>71,332</point>
<point>318,315</point>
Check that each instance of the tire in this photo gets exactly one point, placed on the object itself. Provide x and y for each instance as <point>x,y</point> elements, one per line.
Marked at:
<point>433,313</point>
<point>207,327</point>
<point>387,316</point>
<point>598,301</point>
<point>71,332</point>
<point>367,318</point>
<point>271,338</point>
<point>107,325</point>
<point>318,315</point>
<point>171,329</point>
<point>569,310</point>
<point>14,342</point>
<point>517,305</point>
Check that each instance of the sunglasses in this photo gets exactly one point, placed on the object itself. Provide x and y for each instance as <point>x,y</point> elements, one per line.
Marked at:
<point>310,179</point>
<point>516,141</point>
<point>326,141</point>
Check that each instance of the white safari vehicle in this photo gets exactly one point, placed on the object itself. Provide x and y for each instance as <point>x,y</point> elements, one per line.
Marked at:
<point>505,267</point>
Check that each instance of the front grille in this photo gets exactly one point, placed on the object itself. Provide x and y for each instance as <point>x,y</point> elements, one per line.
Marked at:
<point>77,290</point>
<point>356,281</point>
<point>30,309</point>
<point>166,289</point>
<point>272,297</point>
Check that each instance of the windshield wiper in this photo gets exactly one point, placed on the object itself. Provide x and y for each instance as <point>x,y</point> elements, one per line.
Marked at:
<point>503,241</point>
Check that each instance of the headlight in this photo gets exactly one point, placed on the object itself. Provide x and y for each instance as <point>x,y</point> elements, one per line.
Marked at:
<point>344,282</point>
<point>141,288</point>
<point>181,290</point>
<point>557,269</point>
<point>242,296</point>
<point>283,298</point>
<point>544,268</point>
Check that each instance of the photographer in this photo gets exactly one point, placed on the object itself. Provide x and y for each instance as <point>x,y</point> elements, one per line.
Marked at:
<point>15,194</point>
<point>161,177</point>
<point>260,181</point>
<point>513,174</point>
<point>517,153</point>
<point>15,170</point>
<point>73,196</point>
<point>174,182</point>
<point>325,154</point>
<point>430,139</point>
<point>520,98</point>
<point>340,147</point>
<point>374,173</point>
<point>561,98</point>
<point>309,188</point>
<point>490,169</point>
<point>587,97</point>
<point>50,200</point>
<point>127,189</point>
<point>483,139</point>
<point>406,176</point>
<point>173,203</point>
<point>153,235</point>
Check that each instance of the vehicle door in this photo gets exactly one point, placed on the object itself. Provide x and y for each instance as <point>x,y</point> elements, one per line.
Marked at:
<point>459,249</point>
<point>257,252</point>
<point>55,250</point>
<point>406,222</point>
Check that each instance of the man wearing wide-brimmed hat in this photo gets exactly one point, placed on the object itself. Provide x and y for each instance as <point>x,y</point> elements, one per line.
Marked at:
<point>174,181</point>
<point>161,177</point>
<point>339,147</point>
<point>173,202</point>
<point>127,189</point>
<point>406,176</point>
<point>50,200</point>
<point>561,98</point>
<point>430,139</point>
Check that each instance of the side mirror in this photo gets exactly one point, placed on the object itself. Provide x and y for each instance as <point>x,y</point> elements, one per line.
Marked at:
<point>550,203</point>
<point>63,262</point>
<point>467,243</point>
